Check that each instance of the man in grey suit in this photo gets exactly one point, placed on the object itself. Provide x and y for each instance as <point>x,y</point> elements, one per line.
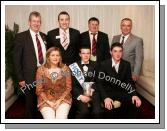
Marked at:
<point>133,47</point>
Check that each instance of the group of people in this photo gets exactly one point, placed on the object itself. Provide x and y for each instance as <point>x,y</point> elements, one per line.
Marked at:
<point>64,62</point>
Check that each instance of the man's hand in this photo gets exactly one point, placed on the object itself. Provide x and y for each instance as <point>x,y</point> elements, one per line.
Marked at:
<point>135,77</point>
<point>108,103</point>
<point>85,99</point>
<point>22,83</point>
<point>136,99</point>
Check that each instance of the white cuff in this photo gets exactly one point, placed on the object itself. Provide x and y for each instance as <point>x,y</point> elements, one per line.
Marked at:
<point>78,98</point>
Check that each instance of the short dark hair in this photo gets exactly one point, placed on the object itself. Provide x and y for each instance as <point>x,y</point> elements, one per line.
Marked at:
<point>116,44</point>
<point>63,13</point>
<point>127,19</point>
<point>84,47</point>
<point>34,13</point>
<point>93,19</point>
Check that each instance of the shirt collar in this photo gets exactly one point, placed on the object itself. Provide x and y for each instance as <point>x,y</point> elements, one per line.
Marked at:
<point>90,33</point>
<point>125,36</point>
<point>33,33</point>
<point>84,63</point>
<point>114,64</point>
<point>61,30</point>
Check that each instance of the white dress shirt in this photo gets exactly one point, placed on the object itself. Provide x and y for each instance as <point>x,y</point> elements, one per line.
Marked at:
<point>116,65</point>
<point>33,35</point>
<point>61,32</point>
<point>125,38</point>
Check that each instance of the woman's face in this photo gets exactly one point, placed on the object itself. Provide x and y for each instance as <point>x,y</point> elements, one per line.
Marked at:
<point>54,57</point>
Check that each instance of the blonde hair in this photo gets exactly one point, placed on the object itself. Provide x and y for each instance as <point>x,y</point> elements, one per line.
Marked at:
<point>47,63</point>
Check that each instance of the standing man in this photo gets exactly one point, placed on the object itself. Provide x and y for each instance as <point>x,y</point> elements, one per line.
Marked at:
<point>115,83</point>
<point>65,38</point>
<point>29,53</point>
<point>96,40</point>
<point>133,47</point>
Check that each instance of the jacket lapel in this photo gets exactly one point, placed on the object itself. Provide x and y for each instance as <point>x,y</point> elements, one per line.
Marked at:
<point>31,44</point>
<point>44,39</point>
<point>56,35</point>
<point>120,67</point>
<point>129,39</point>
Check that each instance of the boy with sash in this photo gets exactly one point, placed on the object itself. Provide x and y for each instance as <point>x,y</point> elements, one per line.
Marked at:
<point>83,89</point>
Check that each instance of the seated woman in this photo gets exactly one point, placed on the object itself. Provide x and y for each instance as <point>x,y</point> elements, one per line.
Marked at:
<point>53,86</point>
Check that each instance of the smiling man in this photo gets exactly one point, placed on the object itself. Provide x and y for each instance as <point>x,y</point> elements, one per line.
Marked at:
<point>97,41</point>
<point>29,53</point>
<point>133,47</point>
<point>110,91</point>
<point>65,38</point>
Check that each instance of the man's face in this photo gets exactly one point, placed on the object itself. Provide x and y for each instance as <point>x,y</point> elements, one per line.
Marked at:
<point>35,23</point>
<point>93,26</point>
<point>64,21</point>
<point>126,27</point>
<point>116,53</point>
<point>85,55</point>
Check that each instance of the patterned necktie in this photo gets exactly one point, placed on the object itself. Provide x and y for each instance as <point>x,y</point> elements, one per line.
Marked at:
<point>94,45</point>
<point>122,42</point>
<point>40,54</point>
<point>113,68</point>
<point>65,41</point>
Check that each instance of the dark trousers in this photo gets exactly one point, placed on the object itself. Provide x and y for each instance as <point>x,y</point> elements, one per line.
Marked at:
<point>93,111</point>
<point>128,110</point>
<point>31,104</point>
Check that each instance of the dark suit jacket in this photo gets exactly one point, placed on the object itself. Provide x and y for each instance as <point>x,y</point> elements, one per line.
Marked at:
<point>25,60</point>
<point>71,54</point>
<point>76,87</point>
<point>102,47</point>
<point>107,86</point>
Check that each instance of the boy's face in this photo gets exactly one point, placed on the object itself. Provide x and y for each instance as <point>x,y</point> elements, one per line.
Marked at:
<point>116,53</point>
<point>85,55</point>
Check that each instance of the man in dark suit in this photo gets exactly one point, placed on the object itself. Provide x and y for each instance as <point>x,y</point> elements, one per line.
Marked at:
<point>83,99</point>
<point>133,47</point>
<point>29,53</point>
<point>115,83</point>
<point>96,40</point>
<point>65,38</point>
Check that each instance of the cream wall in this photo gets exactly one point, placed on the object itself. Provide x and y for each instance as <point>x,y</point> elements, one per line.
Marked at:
<point>109,16</point>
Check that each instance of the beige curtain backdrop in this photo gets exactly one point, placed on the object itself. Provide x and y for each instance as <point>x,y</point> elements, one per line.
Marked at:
<point>109,16</point>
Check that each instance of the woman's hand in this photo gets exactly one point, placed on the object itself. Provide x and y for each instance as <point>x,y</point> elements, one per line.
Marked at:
<point>50,103</point>
<point>58,102</point>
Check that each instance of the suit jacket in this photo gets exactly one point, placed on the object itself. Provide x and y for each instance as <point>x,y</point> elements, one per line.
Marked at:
<point>133,52</point>
<point>77,88</point>
<point>108,81</point>
<point>71,54</point>
<point>102,47</point>
<point>25,60</point>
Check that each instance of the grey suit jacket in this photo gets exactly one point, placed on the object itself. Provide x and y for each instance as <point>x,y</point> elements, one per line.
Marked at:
<point>133,52</point>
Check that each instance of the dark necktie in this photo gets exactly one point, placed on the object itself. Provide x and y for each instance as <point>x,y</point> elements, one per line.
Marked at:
<point>113,68</point>
<point>40,54</point>
<point>122,42</point>
<point>94,45</point>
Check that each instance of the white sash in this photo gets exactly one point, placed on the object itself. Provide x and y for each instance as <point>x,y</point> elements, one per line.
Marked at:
<point>76,71</point>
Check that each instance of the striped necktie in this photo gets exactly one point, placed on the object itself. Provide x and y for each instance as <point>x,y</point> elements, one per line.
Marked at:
<point>94,44</point>
<point>65,41</point>
<point>40,54</point>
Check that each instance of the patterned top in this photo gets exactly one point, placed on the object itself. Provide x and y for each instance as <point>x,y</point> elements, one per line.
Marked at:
<point>53,87</point>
